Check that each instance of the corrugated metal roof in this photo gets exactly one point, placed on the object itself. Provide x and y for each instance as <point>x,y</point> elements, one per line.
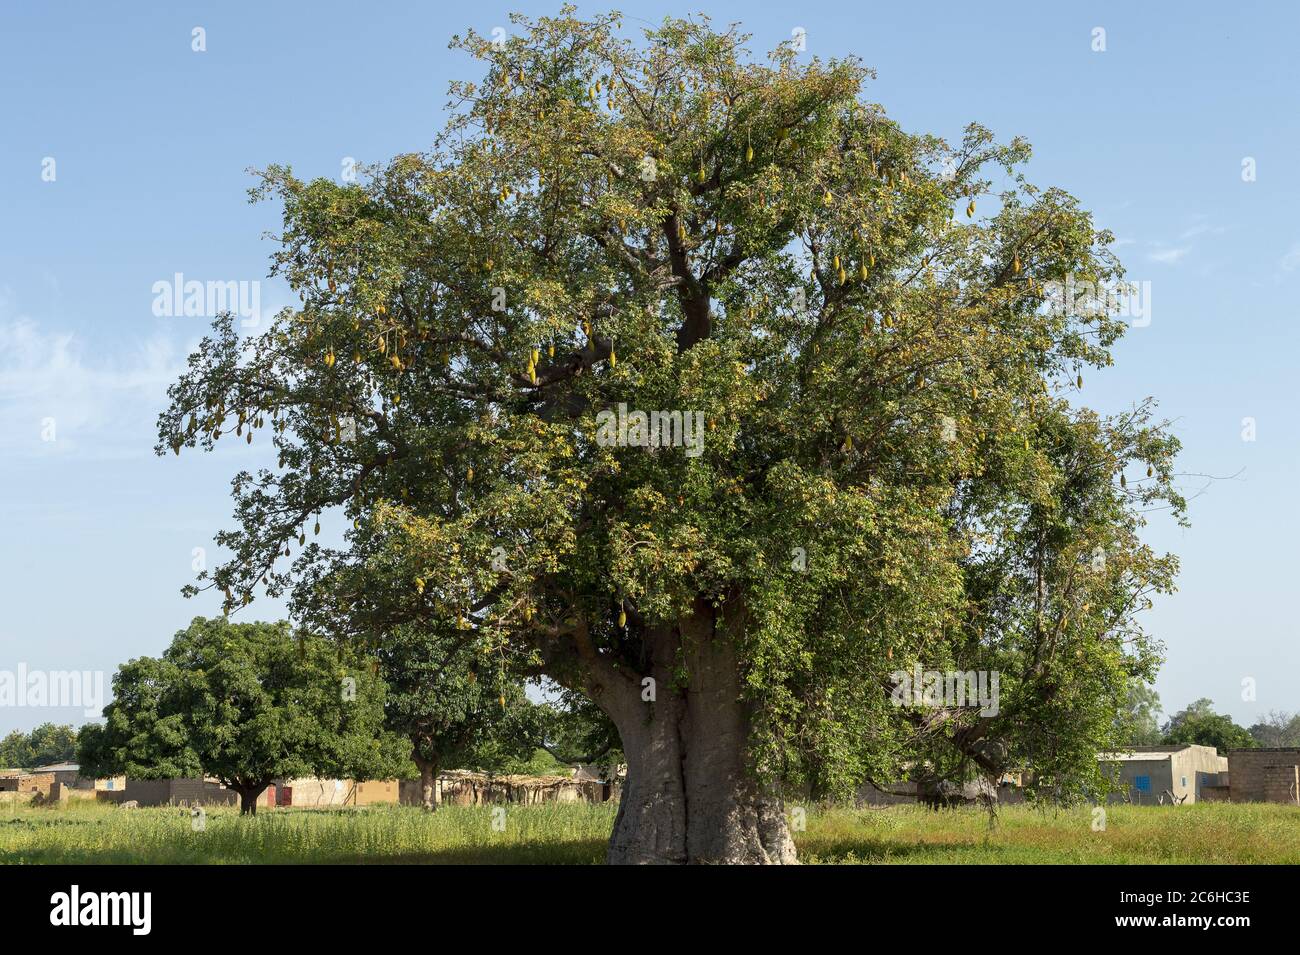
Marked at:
<point>1139,754</point>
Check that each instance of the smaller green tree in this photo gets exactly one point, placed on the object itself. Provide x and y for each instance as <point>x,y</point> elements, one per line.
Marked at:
<point>1277,729</point>
<point>576,731</point>
<point>1199,724</point>
<point>48,743</point>
<point>53,743</point>
<point>1138,722</point>
<point>458,706</point>
<point>15,750</point>
<point>245,703</point>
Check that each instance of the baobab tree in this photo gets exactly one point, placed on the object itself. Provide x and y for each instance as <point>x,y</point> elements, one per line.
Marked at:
<point>697,384</point>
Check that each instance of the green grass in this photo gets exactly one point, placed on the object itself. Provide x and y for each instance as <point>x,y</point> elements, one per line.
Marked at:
<point>87,833</point>
<point>1209,833</point>
<point>576,834</point>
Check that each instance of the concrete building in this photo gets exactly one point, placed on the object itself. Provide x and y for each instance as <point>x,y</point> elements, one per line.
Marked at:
<point>1265,775</point>
<point>313,792</point>
<point>1145,774</point>
<point>282,792</point>
<point>173,792</point>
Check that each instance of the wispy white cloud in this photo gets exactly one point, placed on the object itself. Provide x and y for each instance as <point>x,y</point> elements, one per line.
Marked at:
<point>1200,229</point>
<point>1169,255</point>
<point>1173,252</point>
<point>53,384</point>
<point>1291,261</point>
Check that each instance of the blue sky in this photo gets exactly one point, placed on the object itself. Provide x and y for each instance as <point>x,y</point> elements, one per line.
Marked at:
<point>151,141</point>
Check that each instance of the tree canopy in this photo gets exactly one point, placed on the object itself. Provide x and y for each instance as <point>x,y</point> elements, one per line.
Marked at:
<point>1277,729</point>
<point>1139,721</point>
<point>455,707</point>
<point>245,703</point>
<point>46,744</point>
<point>891,468</point>
<point>1198,723</point>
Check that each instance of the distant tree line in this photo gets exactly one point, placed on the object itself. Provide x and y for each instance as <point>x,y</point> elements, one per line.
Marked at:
<point>252,702</point>
<point>1199,723</point>
<point>48,743</point>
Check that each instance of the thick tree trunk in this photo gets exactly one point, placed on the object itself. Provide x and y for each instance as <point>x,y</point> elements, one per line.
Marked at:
<point>428,783</point>
<point>248,798</point>
<point>689,796</point>
<point>690,799</point>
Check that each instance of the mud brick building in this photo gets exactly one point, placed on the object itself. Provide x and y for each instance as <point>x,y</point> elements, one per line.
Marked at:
<point>1265,775</point>
<point>173,792</point>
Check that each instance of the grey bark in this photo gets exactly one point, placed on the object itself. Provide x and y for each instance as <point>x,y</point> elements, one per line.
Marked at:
<point>689,796</point>
<point>428,783</point>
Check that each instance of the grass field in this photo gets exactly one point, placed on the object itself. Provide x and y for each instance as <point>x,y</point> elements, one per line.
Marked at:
<point>575,834</point>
